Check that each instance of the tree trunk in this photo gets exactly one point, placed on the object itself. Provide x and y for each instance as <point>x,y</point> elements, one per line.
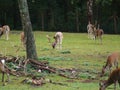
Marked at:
<point>52,19</point>
<point>66,15</point>
<point>15,14</point>
<point>27,27</point>
<point>42,20</point>
<point>115,22</point>
<point>90,10</point>
<point>77,20</point>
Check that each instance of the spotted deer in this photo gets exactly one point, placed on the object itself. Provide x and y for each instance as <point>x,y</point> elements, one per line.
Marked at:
<point>112,61</point>
<point>58,37</point>
<point>90,30</point>
<point>5,30</point>
<point>98,33</point>
<point>58,40</point>
<point>3,70</point>
<point>112,79</point>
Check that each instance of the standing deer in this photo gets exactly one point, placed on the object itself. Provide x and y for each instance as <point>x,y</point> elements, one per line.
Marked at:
<point>5,30</point>
<point>98,33</point>
<point>58,40</point>
<point>113,79</point>
<point>3,70</point>
<point>23,39</point>
<point>112,60</point>
<point>90,30</point>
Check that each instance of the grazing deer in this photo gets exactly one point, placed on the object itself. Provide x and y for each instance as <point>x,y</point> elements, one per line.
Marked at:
<point>22,38</point>
<point>112,60</point>
<point>58,40</point>
<point>5,30</point>
<point>90,31</point>
<point>113,79</point>
<point>3,70</point>
<point>98,33</point>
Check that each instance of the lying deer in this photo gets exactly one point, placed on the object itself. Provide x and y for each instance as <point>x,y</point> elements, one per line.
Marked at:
<point>5,30</point>
<point>3,70</point>
<point>112,60</point>
<point>113,79</point>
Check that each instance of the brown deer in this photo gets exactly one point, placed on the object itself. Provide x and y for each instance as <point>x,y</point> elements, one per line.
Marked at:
<point>113,79</point>
<point>22,38</point>
<point>98,33</point>
<point>112,60</point>
<point>3,70</point>
<point>5,30</point>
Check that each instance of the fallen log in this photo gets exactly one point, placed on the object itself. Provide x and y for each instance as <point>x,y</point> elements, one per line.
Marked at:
<point>36,62</point>
<point>38,66</point>
<point>51,69</point>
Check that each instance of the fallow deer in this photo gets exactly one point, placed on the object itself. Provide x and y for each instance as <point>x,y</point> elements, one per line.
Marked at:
<point>58,40</point>
<point>5,30</point>
<point>90,30</point>
<point>112,60</point>
<point>98,33</point>
<point>113,79</point>
<point>22,38</point>
<point>3,70</point>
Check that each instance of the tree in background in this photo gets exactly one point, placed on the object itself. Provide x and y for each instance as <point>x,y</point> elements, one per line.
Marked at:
<point>76,5</point>
<point>90,10</point>
<point>64,15</point>
<point>115,16</point>
<point>27,27</point>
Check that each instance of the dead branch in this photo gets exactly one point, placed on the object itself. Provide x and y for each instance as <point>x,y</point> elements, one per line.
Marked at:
<point>21,66</point>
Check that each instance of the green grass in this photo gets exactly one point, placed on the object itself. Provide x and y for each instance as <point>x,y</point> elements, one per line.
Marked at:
<point>78,52</point>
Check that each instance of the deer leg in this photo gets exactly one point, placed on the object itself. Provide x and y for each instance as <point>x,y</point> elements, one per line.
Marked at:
<point>58,44</point>
<point>3,73</point>
<point>116,64</point>
<point>61,43</point>
<point>8,77</point>
<point>6,35</point>
<point>95,37</point>
<point>88,35</point>
<point>110,69</point>
<point>100,39</point>
<point>115,85</point>
<point>119,82</point>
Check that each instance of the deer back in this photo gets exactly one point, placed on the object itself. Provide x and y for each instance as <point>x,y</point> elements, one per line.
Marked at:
<point>112,79</point>
<point>112,60</point>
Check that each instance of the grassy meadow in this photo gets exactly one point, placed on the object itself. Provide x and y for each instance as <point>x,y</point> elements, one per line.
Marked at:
<point>78,52</point>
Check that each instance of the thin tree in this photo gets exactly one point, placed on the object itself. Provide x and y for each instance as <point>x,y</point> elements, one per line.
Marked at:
<point>115,19</point>
<point>27,27</point>
<point>90,10</point>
